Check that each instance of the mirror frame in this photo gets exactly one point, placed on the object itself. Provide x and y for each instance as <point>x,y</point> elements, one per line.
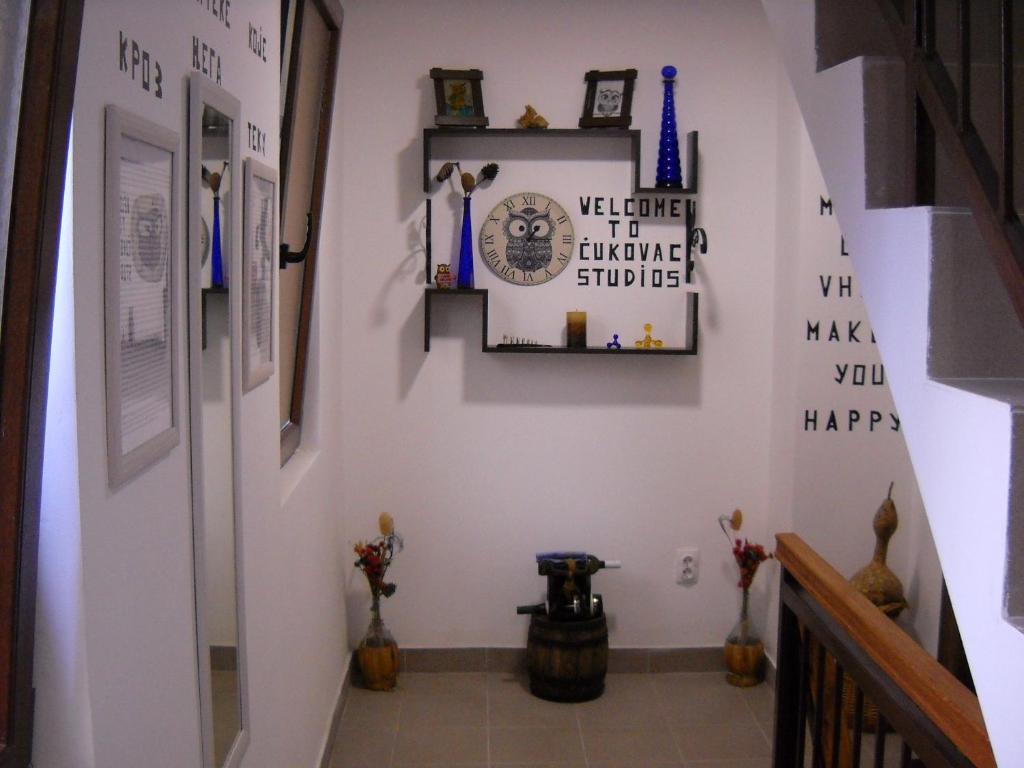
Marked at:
<point>203,92</point>
<point>37,200</point>
<point>330,12</point>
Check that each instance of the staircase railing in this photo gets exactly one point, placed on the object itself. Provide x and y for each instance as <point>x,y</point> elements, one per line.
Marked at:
<point>945,48</point>
<point>851,683</point>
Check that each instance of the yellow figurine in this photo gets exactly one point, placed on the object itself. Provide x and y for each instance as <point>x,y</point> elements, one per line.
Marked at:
<point>531,119</point>
<point>647,342</point>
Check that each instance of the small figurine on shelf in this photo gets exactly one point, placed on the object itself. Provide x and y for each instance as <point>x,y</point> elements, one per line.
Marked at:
<point>444,278</point>
<point>532,119</point>
<point>519,341</point>
<point>469,183</point>
<point>647,342</point>
<point>614,343</point>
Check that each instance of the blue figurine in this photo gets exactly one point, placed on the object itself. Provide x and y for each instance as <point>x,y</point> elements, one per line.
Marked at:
<point>670,173</point>
<point>614,343</point>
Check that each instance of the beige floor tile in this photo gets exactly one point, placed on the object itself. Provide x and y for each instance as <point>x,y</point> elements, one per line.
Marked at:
<point>444,745</point>
<point>536,746</point>
<point>717,741</point>
<point>674,684</point>
<point>374,708</point>
<point>761,700</point>
<point>707,706</point>
<point>510,704</point>
<point>362,746</point>
<point>628,746</point>
<point>628,702</point>
<point>444,683</point>
<point>226,718</point>
<point>466,710</point>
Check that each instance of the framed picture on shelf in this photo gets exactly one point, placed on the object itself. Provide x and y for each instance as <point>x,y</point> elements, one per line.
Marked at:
<point>459,97</point>
<point>609,99</point>
<point>141,275</point>
<point>259,234</point>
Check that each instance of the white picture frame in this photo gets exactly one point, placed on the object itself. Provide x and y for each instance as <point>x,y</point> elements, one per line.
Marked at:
<point>141,293</point>
<point>259,271</point>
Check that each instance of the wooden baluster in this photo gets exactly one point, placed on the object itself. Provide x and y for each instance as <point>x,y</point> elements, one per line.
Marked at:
<point>819,704</point>
<point>963,111</point>
<point>790,703</point>
<point>837,714</point>
<point>905,755</point>
<point>858,725</point>
<point>1006,203</point>
<point>880,741</point>
<point>805,694</point>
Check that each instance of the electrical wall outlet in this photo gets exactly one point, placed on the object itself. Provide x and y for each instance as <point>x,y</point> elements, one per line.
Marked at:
<point>687,565</point>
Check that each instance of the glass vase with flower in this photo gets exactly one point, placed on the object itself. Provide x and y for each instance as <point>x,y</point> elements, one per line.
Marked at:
<point>744,649</point>
<point>378,652</point>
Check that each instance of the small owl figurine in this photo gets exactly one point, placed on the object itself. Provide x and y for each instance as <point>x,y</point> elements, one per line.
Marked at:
<point>528,239</point>
<point>444,278</point>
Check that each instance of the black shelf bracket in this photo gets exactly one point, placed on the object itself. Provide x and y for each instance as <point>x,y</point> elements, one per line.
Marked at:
<point>433,294</point>
<point>633,135</point>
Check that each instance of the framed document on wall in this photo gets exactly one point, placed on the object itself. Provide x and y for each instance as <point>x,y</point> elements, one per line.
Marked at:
<point>141,293</point>
<point>259,266</point>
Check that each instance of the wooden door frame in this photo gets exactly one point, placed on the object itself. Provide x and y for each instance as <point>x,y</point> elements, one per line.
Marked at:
<point>44,124</point>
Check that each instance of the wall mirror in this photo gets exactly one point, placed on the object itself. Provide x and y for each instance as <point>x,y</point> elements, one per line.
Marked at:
<point>215,307</point>
<point>309,62</point>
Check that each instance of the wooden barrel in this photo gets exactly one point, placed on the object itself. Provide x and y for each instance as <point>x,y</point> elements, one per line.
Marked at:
<point>567,660</point>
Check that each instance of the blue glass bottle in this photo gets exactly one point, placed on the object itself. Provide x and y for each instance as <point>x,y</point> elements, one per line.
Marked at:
<point>465,276</point>
<point>216,261</point>
<point>670,173</point>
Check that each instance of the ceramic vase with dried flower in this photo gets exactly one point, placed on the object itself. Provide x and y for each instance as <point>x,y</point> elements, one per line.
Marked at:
<point>377,653</point>
<point>744,649</point>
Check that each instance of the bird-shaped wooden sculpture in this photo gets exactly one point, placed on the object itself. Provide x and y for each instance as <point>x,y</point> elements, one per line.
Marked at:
<point>875,580</point>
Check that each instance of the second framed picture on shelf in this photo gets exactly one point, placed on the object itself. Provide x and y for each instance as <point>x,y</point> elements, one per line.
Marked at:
<point>609,99</point>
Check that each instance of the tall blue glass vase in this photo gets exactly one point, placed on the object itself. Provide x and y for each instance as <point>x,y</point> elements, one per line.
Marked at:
<point>465,276</point>
<point>216,261</point>
<point>670,173</point>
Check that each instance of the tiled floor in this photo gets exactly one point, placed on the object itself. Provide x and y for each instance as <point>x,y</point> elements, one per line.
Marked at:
<point>476,720</point>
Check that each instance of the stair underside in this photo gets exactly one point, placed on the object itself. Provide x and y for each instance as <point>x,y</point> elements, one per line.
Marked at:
<point>952,347</point>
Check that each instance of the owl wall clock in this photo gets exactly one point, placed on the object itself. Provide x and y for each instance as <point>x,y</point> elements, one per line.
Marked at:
<point>527,239</point>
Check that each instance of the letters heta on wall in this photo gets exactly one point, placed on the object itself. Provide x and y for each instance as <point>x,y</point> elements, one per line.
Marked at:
<point>839,288</point>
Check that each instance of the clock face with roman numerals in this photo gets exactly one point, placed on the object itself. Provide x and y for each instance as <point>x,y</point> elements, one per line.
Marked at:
<point>527,239</point>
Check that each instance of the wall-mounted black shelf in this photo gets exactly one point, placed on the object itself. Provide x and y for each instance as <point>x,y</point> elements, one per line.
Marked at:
<point>431,294</point>
<point>633,135</point>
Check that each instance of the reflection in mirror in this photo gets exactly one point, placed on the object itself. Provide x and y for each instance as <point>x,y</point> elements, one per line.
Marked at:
<point>13,34</point>
<point>214,358</point>
<point>312,31</point>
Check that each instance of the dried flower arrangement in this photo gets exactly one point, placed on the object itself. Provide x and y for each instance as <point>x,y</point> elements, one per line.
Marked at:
<point>748,556</point>
<point>469,181</point>
<point>375,558</point>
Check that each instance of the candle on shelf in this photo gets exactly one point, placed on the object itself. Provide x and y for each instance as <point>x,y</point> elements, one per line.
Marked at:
<point>576,329</point>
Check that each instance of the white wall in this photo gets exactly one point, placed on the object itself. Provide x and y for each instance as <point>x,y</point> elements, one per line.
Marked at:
<point>133,655</point>
<point>831,477</point>
<point>485,460</point>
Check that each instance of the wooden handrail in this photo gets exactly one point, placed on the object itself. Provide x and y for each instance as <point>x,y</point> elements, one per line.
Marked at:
<point>940,696</point>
